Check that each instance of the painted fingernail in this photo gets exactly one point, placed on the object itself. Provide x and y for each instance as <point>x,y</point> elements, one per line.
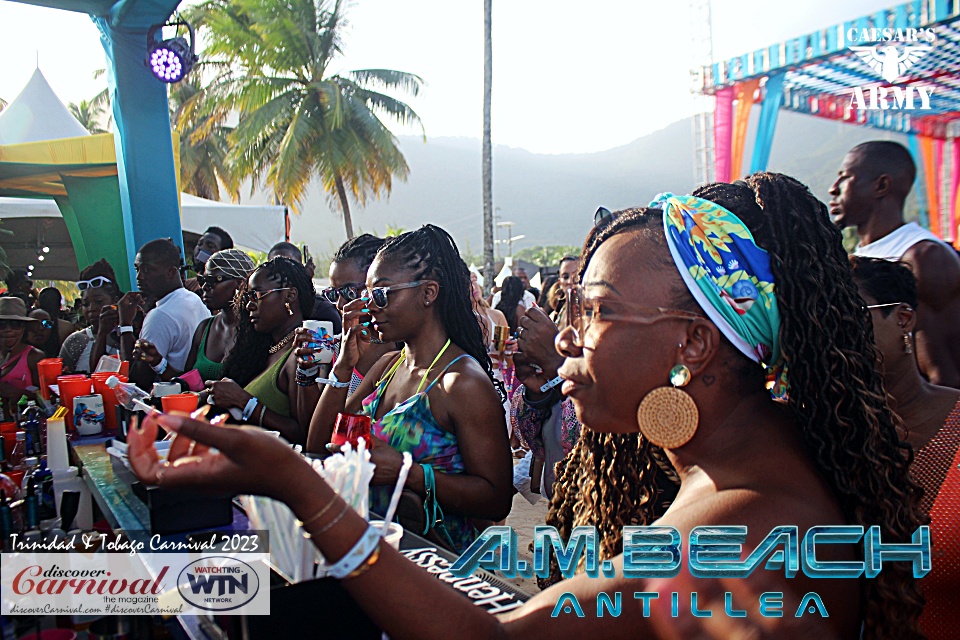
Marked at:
<point>364,332</point>
<point>365,299</point>
<point>366,324</point>
<point>365,310</point>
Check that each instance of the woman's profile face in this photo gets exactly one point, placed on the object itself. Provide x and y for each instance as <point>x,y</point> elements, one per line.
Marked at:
<point>270,312</point>
<point>475,290</point>
<point>622,361</point>
<point>218,295</point>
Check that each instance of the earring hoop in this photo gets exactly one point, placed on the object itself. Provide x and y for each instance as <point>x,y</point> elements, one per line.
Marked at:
<point>668,416</point>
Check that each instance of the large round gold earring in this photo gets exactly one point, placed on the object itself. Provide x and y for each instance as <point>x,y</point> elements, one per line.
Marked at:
<point>668,416</point>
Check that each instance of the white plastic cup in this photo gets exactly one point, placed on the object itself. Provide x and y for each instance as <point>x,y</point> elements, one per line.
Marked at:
<point>57,456</point>
<point>161,389</point>
<point>320,328</point>
<point>88,414</point>
<point>394,533</point>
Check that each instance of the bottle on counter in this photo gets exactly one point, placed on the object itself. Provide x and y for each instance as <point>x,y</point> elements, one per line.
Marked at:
<point>132,397</point>
<point>31,509</point>
<point>30,466</point>
<point>30,423</point>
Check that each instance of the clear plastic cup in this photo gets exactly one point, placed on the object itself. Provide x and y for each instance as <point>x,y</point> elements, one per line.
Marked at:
<point>394,533</point>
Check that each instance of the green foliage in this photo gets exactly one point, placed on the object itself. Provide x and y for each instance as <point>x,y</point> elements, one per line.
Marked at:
<point>546,256</point>
<point>90,113</point>
<point>271,65</point>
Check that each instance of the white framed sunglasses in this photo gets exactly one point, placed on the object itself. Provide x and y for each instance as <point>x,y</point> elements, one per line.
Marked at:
<point>93,283</point>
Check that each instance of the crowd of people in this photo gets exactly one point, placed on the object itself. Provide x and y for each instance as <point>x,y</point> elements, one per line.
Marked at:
<point>712,358</point>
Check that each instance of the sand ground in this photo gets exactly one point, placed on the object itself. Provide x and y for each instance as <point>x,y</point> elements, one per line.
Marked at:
<point>523,518</point>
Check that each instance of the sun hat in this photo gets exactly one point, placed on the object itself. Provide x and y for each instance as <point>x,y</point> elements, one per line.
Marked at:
<point>12,308</point>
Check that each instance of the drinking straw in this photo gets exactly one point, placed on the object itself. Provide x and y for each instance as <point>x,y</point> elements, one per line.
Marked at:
<point>397,490</point>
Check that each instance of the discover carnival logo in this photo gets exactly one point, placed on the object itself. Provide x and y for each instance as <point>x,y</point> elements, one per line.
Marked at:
<point>890,53</point>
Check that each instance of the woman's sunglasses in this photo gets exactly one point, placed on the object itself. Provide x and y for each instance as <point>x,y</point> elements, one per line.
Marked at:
<point>253,295</point>
<point>348,292</point>
<point>211,281</point>
<point>379,294</point>
<point>93,283</point>
<point>46,324</point>
<point>602,216</point>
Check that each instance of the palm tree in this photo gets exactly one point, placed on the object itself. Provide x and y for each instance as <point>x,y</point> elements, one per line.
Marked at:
<point>488,266</point>
<point>3,103</point>
<point>203,145</point>
<point>89,113</point>
<point>298,122</point>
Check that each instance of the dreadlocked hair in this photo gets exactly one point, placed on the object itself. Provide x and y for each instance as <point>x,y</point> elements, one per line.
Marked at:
<point>836,390</point>
<point>249,356</point>
<point>611,480</point>
<point>432,254</point>
<point>362,249</point>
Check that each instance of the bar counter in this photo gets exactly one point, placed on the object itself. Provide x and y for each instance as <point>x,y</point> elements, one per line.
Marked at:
<point>318,608</point>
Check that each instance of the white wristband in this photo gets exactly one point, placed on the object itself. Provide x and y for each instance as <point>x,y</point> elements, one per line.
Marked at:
<point>161,367</point>
<point>357,555</point>
<point>125,329</point>
<point>550,385</point>
<point>249,409</point>
<point>333,382</point>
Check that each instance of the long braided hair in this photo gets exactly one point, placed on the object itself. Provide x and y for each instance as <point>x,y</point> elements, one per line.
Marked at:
<point>836,390</point>
<point>432,254</point>
<point>250,354</point>
<point>362,249</point>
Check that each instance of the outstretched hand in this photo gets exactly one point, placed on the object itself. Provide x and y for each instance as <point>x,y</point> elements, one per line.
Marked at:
<point>242,460</point>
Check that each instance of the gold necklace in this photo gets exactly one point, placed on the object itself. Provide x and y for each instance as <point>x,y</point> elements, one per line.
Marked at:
<point>283,343</point>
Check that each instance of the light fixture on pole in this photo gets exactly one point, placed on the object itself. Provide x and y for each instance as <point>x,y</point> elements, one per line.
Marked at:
<point>170,60</point>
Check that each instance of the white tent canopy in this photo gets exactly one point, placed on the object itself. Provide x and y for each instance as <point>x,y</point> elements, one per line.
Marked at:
<point>37,222</point>
<point>37,114</point>
<point>256,227</point>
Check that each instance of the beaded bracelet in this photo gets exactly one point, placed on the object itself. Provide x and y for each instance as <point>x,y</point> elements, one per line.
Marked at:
<point>359,554</point>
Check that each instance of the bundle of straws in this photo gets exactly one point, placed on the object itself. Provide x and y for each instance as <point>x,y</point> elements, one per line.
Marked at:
<point>349,474</point>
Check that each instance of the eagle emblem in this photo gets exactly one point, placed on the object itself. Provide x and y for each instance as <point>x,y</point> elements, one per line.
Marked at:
<point>889,61</point>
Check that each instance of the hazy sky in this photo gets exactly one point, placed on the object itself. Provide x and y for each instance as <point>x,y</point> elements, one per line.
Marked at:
<point>568,76</point>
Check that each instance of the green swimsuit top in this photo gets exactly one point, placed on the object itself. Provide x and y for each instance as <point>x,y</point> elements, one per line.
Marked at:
<point>267,390</point>
<point>207,368</point>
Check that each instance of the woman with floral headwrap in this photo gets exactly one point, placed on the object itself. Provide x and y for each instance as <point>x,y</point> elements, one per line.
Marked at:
<point>683,311</point>
<point>223,273</point>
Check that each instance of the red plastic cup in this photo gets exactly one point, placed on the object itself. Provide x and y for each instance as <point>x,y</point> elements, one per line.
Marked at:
<point>125,367</point>
<point>184,402</point>
<point>49,369</point>
<point>9,432</point>
<point>70,388</point>
<point>109,397</point>
<point>350,427</point>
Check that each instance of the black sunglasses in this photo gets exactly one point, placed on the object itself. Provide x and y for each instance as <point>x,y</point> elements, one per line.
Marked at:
<point>348,292</point>
<point>602,216</point>
<point>379,294</point>
<point>211,281</point>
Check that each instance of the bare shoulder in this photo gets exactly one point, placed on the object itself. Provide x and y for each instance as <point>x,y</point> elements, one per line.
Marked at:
<point>933,257</point>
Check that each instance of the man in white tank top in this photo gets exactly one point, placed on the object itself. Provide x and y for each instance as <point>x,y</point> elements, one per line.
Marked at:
<point>869,193</point>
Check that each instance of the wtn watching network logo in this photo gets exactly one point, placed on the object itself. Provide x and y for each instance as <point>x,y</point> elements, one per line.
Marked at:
<point>224,586</point>
<point>892,54</point>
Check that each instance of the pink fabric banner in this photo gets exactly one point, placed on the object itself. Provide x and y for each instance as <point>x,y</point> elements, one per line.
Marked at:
<point>952,233</point>
<point>938,175</point>
<point>741,119</point>
<point>722,133</point>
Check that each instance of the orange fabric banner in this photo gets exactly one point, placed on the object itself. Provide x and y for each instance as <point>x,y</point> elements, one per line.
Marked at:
<point>931,179</point>
<point>741,118</point>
